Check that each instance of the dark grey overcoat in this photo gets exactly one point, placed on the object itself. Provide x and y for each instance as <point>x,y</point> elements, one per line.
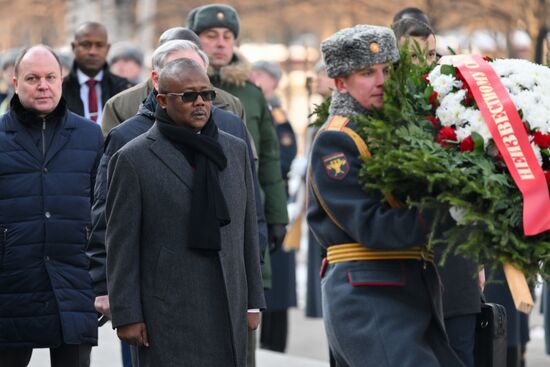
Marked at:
<point>194,306</point>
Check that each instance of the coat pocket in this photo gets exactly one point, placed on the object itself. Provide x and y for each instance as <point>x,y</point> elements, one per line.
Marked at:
<point>3,240</point>
<point>378,273</point>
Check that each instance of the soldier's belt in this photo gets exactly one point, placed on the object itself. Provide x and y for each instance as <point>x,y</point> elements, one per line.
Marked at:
<point>355,251</point>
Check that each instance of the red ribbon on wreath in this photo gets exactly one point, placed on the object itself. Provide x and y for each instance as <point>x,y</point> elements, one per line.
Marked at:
<point>504,123</point>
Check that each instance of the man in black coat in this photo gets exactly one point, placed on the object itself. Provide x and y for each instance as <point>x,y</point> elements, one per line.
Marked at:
<point>132,128</point>
<point>90,77</point>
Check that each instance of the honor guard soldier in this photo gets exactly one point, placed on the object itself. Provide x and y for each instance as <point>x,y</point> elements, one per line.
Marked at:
<point>381,291</point>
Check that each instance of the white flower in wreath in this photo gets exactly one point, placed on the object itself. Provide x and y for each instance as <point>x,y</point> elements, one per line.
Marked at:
<point>525,100</point>
<point>445,84</point>
<point>451,110</point>
<point>538,117</point>
<point>537,152</point>
<point>524,80</point>
<point>434,74</point>
<point>510,85</point>
<point>463,132</point>
<point>478,124</point>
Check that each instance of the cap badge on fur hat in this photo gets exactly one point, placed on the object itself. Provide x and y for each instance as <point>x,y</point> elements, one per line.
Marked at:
<point>374,48</point>
<point>220,15</point>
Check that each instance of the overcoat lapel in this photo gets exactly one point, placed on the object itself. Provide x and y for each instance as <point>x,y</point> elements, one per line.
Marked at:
<point>171,157</point>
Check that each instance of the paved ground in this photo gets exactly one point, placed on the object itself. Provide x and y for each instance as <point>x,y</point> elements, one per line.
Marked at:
<point>307,343</point>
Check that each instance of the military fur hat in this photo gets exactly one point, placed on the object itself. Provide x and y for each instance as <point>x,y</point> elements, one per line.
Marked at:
<point>125,51</point>
<point>270,68</point>
<point>356,48</point>
<point>213,16</point>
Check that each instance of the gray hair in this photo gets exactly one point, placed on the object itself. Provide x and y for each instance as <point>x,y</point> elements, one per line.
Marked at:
<point>164,50</point>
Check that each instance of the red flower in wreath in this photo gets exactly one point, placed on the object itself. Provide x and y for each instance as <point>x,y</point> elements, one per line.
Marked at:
<point>541,139</point>
<point>547,176</point>
<point>425,78</point>
<point>446,136</point>
<point>467,145</point>
<point>433,100</point>
<point>434,120</point>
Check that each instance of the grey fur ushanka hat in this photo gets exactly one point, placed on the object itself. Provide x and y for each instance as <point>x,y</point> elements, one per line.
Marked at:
<point>359,47</point>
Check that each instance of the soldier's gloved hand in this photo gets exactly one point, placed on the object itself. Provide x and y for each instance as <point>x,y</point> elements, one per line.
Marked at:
<point>276,234</point>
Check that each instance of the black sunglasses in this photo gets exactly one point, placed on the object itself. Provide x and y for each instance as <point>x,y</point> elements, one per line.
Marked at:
<point>206,95</point>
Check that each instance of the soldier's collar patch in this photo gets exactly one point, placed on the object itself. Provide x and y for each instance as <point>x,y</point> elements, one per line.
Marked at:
<point>336,165</point>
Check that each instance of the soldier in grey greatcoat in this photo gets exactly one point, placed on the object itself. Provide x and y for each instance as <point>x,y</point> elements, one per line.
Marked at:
<point>183,264</point>
<point>380,288</point>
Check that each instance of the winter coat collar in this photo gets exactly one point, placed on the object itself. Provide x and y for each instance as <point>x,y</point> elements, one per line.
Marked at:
<point>343,104</point>
<point>236,72</point>
<point>31,119</point>
<point>148,106</point>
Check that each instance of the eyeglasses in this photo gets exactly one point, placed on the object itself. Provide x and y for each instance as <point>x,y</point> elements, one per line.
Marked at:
<point>187,97</point>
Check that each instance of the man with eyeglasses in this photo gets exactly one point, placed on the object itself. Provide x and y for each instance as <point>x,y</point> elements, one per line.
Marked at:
<point>137,125</point>
<point>183,260</point>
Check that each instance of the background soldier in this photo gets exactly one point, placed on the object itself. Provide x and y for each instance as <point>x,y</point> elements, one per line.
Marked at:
<point>282,294</point>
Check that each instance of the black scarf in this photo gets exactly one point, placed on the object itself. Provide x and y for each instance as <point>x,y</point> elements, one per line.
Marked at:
<point>208,207</point>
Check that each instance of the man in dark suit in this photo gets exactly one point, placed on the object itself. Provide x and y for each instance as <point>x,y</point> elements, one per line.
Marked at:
<point>90,84</point>
<point>183,261</point>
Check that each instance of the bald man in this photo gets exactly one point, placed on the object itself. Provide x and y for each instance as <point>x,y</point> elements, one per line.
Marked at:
<point>90,84</point>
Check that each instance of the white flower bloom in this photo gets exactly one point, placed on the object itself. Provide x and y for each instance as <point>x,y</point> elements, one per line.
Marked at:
<point>451,110</point>
<point>444,84</point>
<point>463,132</point>
<point>479,126</point>
<point>528,85</point>
<point>434,74</point>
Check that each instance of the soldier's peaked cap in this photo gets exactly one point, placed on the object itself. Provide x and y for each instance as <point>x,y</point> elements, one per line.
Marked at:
<point>359,47</point>
<point>214,16</point>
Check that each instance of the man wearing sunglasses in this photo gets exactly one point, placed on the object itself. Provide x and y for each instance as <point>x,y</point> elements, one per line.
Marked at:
<point>183,259</point>
<point>139,124</point>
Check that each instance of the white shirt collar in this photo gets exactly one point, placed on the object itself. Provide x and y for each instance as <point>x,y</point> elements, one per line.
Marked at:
<point>83,78</point>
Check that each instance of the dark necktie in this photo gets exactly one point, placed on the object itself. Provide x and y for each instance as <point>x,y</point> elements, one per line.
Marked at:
<point>92,99</point>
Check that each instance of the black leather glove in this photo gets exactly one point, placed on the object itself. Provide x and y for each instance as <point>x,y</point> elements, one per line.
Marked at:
<point>276,234</point>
